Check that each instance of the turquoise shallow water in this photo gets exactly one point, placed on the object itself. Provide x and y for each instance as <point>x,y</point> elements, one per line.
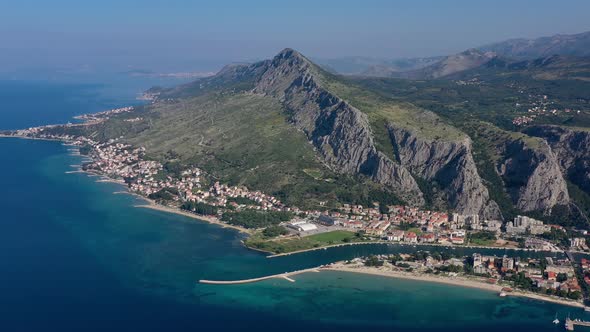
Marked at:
<point>76,256</point>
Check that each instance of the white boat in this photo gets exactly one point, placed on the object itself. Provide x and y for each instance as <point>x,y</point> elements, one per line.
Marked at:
<point>556,321</point>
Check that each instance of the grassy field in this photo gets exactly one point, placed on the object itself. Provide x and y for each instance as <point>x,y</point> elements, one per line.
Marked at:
<point>309,242</point>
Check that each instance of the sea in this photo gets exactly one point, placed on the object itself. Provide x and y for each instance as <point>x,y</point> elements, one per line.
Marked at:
<point>77,255</point>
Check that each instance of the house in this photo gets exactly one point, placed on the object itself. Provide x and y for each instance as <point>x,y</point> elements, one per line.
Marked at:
<point>427,238</point>
<point>395,236</point>
<point>411,237</point>
<point>457,240</point>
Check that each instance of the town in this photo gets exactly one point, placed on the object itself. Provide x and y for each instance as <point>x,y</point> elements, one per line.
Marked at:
<point>546,276</point>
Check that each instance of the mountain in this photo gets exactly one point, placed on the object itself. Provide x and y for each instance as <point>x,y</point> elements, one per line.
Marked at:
<point>572,45</point>
<point>366,66</point>
<point>289,128</point>
<point>452,64</point>
<point>550,68</point>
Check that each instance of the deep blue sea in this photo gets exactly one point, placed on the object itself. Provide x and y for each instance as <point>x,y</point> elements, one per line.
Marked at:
<point>76,255</point>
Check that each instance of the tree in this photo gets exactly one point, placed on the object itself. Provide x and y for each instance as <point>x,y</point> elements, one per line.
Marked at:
<point>199,208</point>
<point>373,261</point>
<point>275,230</point>
<point>561,277</point>
<point>575,295</point>
<point>255,219</point>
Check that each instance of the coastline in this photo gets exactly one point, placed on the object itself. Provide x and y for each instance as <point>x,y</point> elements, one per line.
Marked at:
<point>33,138</point>
<point>456,281</point>
<point>214,220</point>
<point>210,219</point>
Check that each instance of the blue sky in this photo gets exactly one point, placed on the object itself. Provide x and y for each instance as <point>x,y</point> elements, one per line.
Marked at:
<point>186,35</point>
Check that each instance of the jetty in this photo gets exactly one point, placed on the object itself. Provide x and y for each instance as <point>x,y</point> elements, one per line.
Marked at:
<point>285,276</point>
<point>571,323</point>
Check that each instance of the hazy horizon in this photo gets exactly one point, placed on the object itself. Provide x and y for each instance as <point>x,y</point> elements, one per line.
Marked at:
<point>186,36</point>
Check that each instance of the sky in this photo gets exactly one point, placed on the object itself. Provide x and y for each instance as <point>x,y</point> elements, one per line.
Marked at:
<point>177,35</point>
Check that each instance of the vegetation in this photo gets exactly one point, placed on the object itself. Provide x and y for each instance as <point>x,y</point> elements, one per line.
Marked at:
<point>256,219</point>
<point>373,261</point>
<point>557,236</point>
<point>200,208</point>
<point>239,138</point>
<point>166,194</point>
<point>522,282</point>
<point>302,243</point>
<point>450,268</point>
<point>274,231</point>
<point>482,238</point>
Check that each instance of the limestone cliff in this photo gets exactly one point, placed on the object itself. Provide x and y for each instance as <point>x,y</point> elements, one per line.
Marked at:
<point>451,165</point>
<point>340,133</point>
<point>572,148</point>
<point>533,177</point>
<point>342,136</point>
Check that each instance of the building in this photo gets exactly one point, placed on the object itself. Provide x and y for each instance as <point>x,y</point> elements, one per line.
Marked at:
<point>457,240</point>
<point>427,238</point>
<point>327,220</point>
<point>524,224</point>
<point>577,242</point>
<point>480,269</point>
<point>396,236</point>
<point>538,244</point>
<point>302,226</point>
<point>411,237</point>
<point>507,263</point>
<point>477,261</point>
<point>493,225</point>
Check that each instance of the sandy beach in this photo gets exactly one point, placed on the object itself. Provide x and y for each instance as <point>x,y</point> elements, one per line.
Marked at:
<point>456,281</point>
<point>212,220</point>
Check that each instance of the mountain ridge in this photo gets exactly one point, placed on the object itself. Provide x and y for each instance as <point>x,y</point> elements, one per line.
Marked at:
<point>341,138</point>
<point>524,48</point>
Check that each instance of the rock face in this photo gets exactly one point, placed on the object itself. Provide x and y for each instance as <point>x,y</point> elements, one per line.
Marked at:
<point>451,165</point>
<point>343,138</point>
<point>572,149</point>
<point>533,177</point>
<point>340,133</point>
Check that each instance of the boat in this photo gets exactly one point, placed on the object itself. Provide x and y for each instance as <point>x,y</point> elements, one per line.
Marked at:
<point>556,321</point>
<point>502,294</point>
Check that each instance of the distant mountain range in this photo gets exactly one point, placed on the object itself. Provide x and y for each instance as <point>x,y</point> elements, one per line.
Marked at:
<point>449,65</point>
<point>374,66</point>
<point>513,51</point>
<point>571,45</point>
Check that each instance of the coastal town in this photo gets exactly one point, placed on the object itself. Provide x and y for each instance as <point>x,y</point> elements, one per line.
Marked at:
<point>547,275</point>
<point>192,190</point>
